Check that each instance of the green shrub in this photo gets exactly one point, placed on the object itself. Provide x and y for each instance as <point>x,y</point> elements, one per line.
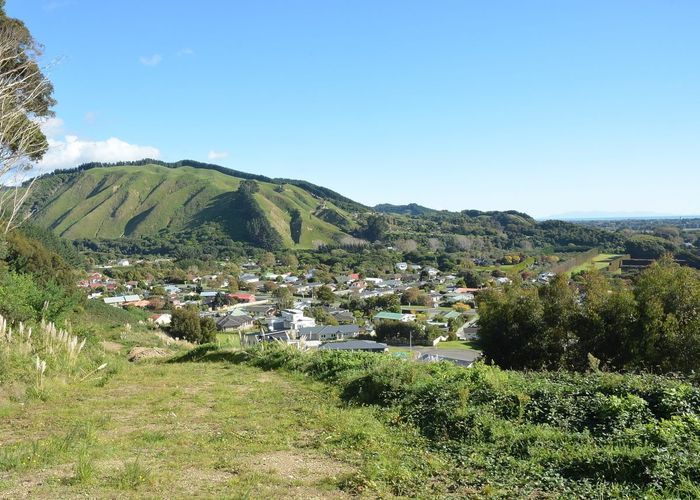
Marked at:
<point>571,433</point>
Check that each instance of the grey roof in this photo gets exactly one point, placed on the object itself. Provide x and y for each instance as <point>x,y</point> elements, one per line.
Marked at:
<point>233,321</point>
<point>355,345</point>
<point>329,330</point>
<point>259,308</point>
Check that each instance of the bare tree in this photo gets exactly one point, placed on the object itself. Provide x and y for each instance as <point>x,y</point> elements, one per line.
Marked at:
<point>25,99</point>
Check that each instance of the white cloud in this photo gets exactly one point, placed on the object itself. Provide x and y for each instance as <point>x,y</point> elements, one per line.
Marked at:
<point>72,151</point>
<point>185,52</point>
<point>51,127</point>
<point>153,60</point>
<point>217,155</point>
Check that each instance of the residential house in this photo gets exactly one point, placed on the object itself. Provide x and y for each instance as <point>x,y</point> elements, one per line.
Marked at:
<point>233,323</point>
<point>257,337</point>
<point>341,315</point>
<point>374,281</point>
<point>436,298</point>
<point>358,286</point>
<point>161,319</point>
<point>401,266</point>
<point>125,300</point>
<point>242,297</point>
<point>291,319</point>
<point>172,289</point>
<point>432,272</point>
<point>329,332</point>
<point>261,311</point>
<point>452,315</point>
<point>114,301</point>
<point>453,298</point>
<point>391,316</point>
<point>208,297</point>
<point>390,283</point>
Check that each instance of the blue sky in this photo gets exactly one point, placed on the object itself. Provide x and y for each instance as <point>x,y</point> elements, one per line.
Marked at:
<point>546,107</point>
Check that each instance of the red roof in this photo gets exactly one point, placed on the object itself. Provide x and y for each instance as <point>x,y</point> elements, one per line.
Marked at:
<point>248,297</point>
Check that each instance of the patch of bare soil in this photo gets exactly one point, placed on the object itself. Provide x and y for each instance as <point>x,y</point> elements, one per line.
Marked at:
<point>293,465</point>
<point>28,484</point>
<point>168,340</point>
<point>139,353</point>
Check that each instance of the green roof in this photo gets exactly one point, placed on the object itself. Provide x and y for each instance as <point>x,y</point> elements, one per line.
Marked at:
<point>389,315</point>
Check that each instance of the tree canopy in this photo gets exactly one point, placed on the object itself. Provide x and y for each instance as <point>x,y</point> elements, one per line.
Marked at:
<point>652,326</point>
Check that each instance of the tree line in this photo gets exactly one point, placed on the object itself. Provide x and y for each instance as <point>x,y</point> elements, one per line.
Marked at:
<point>651,325</point>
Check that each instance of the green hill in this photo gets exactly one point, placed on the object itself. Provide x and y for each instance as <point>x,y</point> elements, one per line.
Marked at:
<point>149,203</point>
<point>145,198</point>
<point>411,209</point>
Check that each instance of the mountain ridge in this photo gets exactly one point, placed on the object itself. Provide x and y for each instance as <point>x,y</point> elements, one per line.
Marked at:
<point>132,199</point>
<point>199,203</point>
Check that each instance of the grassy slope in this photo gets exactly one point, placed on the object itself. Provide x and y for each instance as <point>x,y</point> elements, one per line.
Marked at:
<point>212,429</point>
<point>113,202</point>
<point>208,430</point>
<point>599,262</point>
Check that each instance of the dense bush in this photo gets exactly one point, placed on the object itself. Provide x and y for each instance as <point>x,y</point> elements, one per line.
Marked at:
<point>644,246</point>
<point>28,255</point>
<point>188,325</point>
<point>24,297</point>
<point>654,326</point>
<point>400,333</point>
<point>35,282</point>
<point>544,433</point>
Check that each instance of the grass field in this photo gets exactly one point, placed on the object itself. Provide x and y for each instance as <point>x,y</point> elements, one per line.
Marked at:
<point>600,262</point>
<point>449,344</point>
<point>459,344</point>
<point>209,430</point>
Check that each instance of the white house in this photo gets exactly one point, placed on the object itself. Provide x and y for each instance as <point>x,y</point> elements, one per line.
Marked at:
<point>123,263</point>
<point>432,272</point>
<point>249,278</point>
<point>401,266</point>
<point>374,281</point>
<point>121,300</point>
<point>294,319</point>
<point>161,319</point>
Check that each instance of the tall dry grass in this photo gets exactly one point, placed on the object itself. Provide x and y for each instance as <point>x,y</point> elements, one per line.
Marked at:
<point>31,355</point>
